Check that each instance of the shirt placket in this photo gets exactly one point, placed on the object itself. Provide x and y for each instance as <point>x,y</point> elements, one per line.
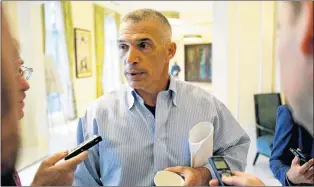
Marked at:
<point>160,148</point>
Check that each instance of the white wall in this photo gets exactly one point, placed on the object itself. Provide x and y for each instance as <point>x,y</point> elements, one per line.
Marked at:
<point>203,28</point>
<point>85,88</point>
<point>243,40</point>
<point>220,51</point>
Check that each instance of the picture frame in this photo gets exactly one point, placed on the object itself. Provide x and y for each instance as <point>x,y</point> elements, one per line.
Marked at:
<point>198,62</point>
<point>83,53</point>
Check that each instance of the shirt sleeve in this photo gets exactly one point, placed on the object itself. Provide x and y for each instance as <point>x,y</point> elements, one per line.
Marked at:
<point>87,173</point>
<point>230,140</point>
<point>284,139</point>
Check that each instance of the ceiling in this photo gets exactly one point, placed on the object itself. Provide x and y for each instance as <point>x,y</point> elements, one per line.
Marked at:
<point>195,16</point>
<point>179,6</point>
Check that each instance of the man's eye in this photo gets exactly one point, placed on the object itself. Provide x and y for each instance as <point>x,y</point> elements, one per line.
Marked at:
<point>144,45</point>
<point>123,47</point>
<point>20,71</point>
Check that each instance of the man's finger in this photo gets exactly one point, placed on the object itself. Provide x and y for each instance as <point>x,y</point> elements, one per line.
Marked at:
<point>309,181</point>
<point>73,162</point>
<point>307,165</point>
<point>310,177</point>
<point>50,161</point>
<point>295,161</point>
<point>234,181</point>
<point>185,172</point>
<point>214,182</point>
<point>309,172</point>
<point>238,173</point>
<point>177,169</point>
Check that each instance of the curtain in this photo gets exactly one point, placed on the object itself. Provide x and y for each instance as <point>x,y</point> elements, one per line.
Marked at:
<point>57,17</point>
<point>100,14</point>
<point>42,7</point>
<point>112,70</point>
<point>69,38</point>
<point>99,46</point>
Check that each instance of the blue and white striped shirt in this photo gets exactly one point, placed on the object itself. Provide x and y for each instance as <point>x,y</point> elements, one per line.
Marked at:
<point>136,145</point>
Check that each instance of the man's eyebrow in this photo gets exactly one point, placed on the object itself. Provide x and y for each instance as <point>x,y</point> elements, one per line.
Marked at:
<point>121,41</point>
<point>143,40</point>
<point>137,40</point>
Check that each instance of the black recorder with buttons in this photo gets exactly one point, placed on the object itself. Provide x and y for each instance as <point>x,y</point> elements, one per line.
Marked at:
<point>220,167</point>
<point>301,156</point>
<point>84,146</point>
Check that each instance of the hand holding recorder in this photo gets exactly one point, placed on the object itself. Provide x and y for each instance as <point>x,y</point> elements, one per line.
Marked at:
<point>50,174</point>
<point>301,170</point>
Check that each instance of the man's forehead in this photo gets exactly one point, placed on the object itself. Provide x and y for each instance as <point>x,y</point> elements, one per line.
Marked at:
<point>143,28</point>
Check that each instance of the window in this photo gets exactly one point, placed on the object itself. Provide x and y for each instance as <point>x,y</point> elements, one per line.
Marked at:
<point>59,101</point>
<point>111,73</point>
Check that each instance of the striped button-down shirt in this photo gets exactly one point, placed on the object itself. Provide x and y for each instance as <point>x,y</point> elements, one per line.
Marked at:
<point>136,145</point>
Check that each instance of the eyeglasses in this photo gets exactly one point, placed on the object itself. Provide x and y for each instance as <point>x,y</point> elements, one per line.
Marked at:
<point>25,72</point>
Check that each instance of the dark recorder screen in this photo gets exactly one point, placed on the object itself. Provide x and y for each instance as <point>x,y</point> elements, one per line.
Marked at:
<point>221,165</point>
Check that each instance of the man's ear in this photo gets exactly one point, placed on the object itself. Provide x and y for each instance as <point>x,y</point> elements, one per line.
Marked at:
<point>308,38</point>
<point>172,49</point>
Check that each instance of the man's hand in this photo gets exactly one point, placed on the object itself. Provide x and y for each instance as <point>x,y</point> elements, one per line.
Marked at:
<point>301,174</point>
<point>192,176</point>
<point>62,174</point>
<point>239,179</point>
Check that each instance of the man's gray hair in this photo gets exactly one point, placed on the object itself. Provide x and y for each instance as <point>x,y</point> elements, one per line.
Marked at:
<point>144,14</point>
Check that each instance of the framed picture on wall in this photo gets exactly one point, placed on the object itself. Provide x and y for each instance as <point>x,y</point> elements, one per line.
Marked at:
<point>198,62</point>
<point>83,53</point>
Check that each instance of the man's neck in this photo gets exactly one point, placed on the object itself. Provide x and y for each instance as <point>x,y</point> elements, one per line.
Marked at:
<point>150,96</point>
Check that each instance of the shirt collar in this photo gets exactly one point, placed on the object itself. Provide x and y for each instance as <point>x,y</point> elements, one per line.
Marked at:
<point>132,95</point>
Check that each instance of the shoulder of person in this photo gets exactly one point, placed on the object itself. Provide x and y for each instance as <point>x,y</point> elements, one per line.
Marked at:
<point>284,108</point>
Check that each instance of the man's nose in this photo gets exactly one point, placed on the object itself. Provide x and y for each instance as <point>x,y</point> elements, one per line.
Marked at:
<point>133,56</point>
<point>24,84</point>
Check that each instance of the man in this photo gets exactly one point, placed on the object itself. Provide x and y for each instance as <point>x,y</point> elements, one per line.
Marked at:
<point>48,173</point>
<point>296,58</point>
<point>145,125</point>
<point>175,70</point>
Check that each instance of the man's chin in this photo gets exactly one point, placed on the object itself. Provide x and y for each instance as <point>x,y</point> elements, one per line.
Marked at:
<point>302,111</point>
<point>20,115</point>
<point>136,85</point>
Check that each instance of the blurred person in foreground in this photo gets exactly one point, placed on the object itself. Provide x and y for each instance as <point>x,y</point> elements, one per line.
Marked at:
<point>296,58</point>
<point>9,123</point>
<point>13,87</point>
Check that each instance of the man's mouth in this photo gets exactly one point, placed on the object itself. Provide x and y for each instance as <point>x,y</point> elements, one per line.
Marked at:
<point>137,73</point>
<point>22,104</point>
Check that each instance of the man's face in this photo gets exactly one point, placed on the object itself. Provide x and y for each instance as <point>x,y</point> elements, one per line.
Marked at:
<point>296,65</point>
<point>22,85</point>
<point>144,53</point>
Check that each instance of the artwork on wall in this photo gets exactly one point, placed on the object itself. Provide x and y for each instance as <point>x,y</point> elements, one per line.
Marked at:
<point>198,63</point>
<point>83,53</point>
